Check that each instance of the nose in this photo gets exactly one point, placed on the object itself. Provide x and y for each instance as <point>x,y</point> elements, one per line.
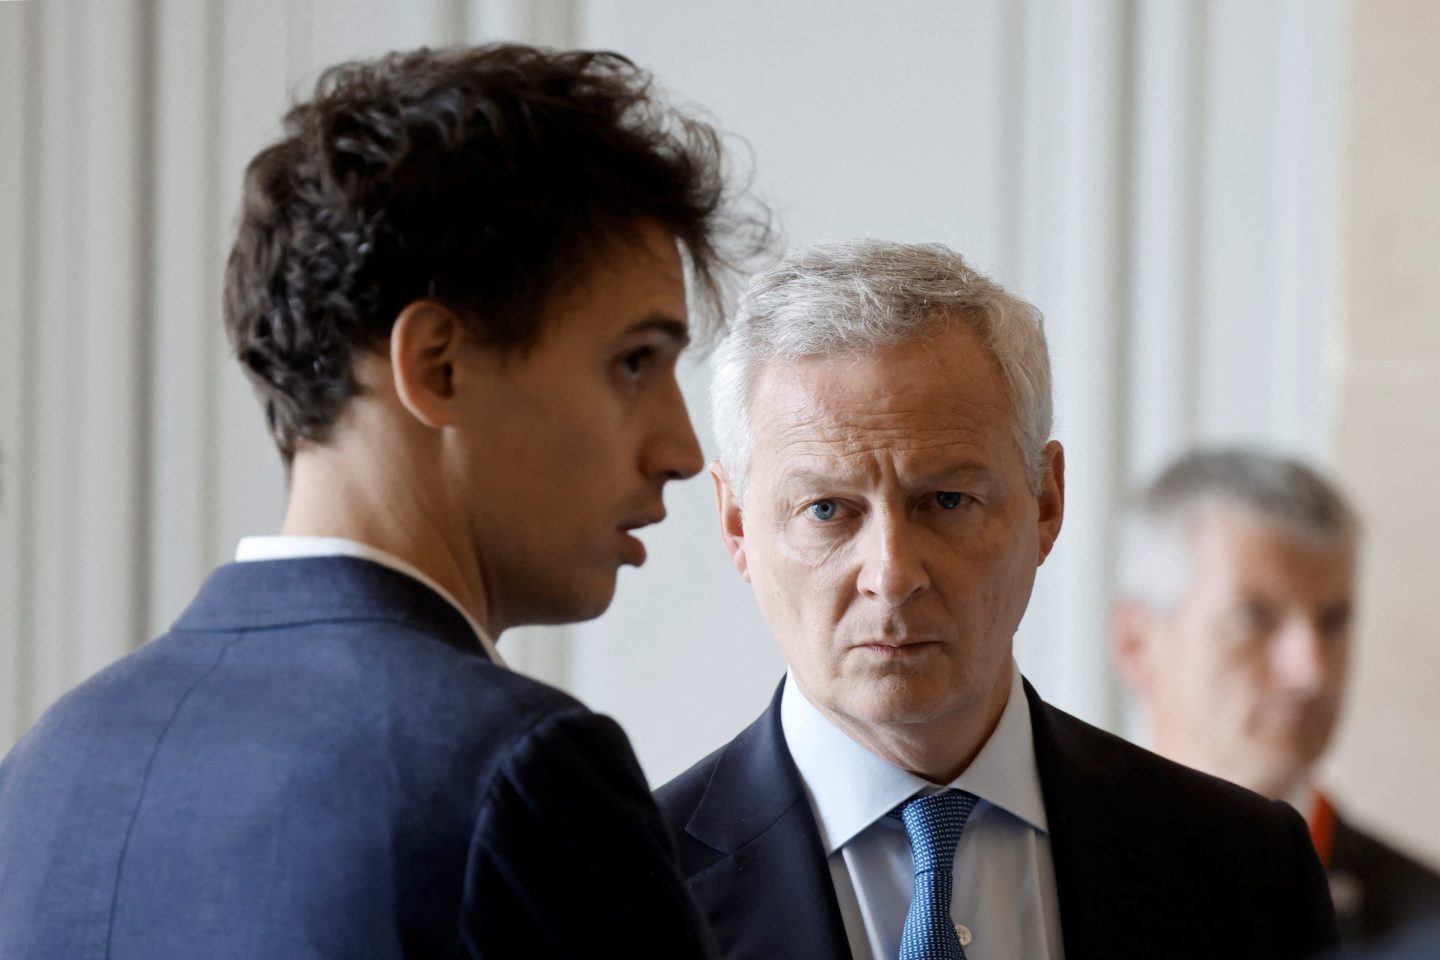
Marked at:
<point>1301,657</point>
<point>674,451</point>
<point>892,570</point>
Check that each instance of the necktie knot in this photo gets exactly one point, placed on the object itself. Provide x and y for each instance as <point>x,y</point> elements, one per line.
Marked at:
<point>934,824</point>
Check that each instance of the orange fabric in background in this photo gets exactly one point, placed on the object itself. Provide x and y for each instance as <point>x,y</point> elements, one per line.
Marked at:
<point>1322,827</point>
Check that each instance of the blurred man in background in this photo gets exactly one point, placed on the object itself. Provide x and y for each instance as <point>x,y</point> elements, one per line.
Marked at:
<point>459,287</point>
<point>1232,629</point>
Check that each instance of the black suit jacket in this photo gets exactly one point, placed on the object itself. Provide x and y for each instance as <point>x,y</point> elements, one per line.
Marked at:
<point>319,761</point>
<point>1415,943</point>
<point>1378,890</point>
<point>1152,860</point>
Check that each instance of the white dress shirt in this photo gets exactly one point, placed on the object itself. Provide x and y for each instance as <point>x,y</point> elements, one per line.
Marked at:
<point>291,548</point>
<point>1004,895</point>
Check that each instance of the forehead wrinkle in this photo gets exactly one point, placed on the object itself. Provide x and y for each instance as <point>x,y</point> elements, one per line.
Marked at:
<point>867,459</point>
<point>877,426</point>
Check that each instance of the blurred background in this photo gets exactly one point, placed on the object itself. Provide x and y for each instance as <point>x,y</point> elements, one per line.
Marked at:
<point>1228,210</point>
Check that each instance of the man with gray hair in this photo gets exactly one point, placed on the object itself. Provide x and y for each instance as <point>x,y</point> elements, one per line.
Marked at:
<point>1231,627</point>
<point>889,487</point>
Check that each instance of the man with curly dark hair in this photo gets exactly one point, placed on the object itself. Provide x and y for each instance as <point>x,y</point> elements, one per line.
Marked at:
<point>459,286</point>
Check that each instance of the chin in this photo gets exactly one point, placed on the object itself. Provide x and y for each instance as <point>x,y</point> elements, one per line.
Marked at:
<point>1297,746</point>
<point>1268,769</point>
<point>589,606</point>
<point>902,698</point>
<point>578,599</point>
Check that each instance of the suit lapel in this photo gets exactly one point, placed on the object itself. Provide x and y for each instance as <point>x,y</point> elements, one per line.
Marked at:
<point>1100,877</point>
<point>770,895</point>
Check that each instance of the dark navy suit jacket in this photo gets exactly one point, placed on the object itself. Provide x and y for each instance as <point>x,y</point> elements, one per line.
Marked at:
<point>1378,890</point>
<point>1152,860</point>
<point>319,761</point>
<point>1419,942</point>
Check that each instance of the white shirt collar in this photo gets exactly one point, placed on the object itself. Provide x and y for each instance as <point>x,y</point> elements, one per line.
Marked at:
<point>291,548</point>
<point>1302,797</point>
<point>851,788</point>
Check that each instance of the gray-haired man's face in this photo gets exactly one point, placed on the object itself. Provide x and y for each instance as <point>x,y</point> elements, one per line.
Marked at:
<point>1244,678</point>
<point>890,529</point>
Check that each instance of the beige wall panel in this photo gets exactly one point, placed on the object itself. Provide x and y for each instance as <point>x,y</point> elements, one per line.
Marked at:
<point>1387,766</point>
<point>1394,179</point>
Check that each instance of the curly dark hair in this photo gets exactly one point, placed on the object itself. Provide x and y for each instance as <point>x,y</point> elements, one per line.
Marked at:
<point>481,177</point>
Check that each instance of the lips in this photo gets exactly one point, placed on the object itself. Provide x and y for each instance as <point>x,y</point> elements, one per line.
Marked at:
<point>893,648</point>
<point>631,547</point>
<point>644,520</point>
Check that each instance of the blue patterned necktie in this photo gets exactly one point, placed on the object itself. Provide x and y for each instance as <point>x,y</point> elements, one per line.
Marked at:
<point>934,825</point>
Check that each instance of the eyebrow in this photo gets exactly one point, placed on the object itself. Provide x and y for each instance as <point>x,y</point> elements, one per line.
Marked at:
<point>677,330</point>
<point>807,478</point>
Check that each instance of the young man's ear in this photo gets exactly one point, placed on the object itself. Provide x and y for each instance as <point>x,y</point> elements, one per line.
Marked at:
<point>732,519</point>
<point>424,346</point>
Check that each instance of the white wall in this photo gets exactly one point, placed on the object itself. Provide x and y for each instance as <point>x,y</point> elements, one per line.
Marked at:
<point>1158,177</point>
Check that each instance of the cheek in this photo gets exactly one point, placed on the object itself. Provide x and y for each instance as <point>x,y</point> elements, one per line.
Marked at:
<point>1230,686</point>
<point>802,591</point>
<point>785,583</point>
<point>1189,672</point>
<point>534,439</point>
<point>994,582</point>
<point>1338,670</point>
<point>592,454</point>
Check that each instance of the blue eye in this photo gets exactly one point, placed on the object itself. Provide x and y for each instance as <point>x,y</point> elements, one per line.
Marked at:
<point>949,500</point>
<point>824,509</point>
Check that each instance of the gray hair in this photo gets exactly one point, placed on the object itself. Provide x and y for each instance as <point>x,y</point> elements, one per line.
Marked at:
<point>1156,539</point>
<point>856,296</point>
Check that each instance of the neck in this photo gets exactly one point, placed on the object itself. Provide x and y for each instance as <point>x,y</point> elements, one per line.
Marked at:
<point>1301,795</point>
<point>334,493</point>
<point>1251,773</point>
<point>938,749</point>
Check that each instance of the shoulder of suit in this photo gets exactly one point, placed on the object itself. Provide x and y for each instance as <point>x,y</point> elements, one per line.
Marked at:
<point>1151,781</point>
<point>396,682</point>
<point>418,670</point>
<point>1362,853</point>
<point>681,795</point>
<point>473,699</point>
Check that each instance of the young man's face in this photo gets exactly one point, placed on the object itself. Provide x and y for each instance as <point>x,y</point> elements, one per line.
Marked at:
<point>574,439</point>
